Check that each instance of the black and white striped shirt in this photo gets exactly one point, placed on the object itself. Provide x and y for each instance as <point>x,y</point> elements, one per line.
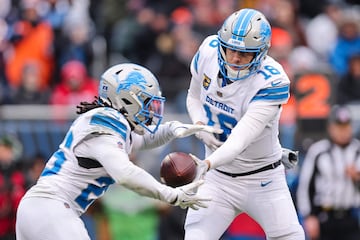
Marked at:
<point>323,182</point>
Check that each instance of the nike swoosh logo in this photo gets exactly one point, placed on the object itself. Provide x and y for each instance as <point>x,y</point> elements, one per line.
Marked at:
<point>275,83</point>
<point>264,184</point>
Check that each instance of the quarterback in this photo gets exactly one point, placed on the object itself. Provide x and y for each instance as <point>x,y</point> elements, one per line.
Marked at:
<point>237,87</point>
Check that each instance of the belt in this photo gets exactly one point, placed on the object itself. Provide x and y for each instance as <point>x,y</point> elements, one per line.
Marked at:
<point>267,167</point>
<point>339,213</point>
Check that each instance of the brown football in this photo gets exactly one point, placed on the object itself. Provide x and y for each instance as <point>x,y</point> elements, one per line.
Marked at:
<point>177,169</point>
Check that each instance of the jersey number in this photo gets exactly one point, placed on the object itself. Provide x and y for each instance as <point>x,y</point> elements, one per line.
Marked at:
<point>270,70</point>
<point>83,199</point>
<point>226,123</point>
<point>59,157</point>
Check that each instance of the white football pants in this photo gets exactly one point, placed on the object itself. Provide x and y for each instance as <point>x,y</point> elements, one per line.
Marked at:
<point>264,196</point>
<point>48,219</point>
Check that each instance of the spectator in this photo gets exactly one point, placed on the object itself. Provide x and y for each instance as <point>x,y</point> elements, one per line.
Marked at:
<point>30,91</point>
<point>349,85</point>
<point>348,42</point>
<point>203,24</point>
<point>76,41</point>
<point>324,24</point>
<point>75,86</point>
<point>34,169</point>
<point>311,9</point>
<point>4,86</point>
<point>141,31</point>
<point>282,44</point>
<point>177,48</point>
<point>284,14</point>
<point>303,60</point>
<point>55,12</point>
<point>328,195</point>
<point>12,185</point>
<point>32,38</point>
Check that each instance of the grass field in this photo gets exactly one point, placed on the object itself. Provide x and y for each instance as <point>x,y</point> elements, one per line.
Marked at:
<point>131,217</point>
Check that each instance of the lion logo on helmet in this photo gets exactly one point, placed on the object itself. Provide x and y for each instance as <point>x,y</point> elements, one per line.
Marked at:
<point>134,78</point>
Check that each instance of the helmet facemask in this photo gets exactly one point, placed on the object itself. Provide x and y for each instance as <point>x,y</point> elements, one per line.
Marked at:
<point>150,112</point>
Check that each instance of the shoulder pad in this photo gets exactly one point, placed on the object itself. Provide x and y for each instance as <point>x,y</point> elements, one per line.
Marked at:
<point>108,121</point>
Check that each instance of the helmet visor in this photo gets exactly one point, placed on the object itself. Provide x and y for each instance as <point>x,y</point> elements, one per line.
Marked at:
<point>155,106</point>
<point>151,113</point>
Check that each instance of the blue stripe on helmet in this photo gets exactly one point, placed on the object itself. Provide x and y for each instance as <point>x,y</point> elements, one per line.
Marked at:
<point>242,23</point>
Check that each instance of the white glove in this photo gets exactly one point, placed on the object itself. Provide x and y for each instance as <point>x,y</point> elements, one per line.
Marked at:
<point>201,167</point>
<point>187,196</point>
<point>209,140</point>
<point>181,130</point>
<point>289,158</point>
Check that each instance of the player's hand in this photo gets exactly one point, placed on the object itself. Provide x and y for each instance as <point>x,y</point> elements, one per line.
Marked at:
<point>201,167</point>
<point>181,130</point>
<point>187,196</point>
<point>209,140</point>
<point>289,158</point>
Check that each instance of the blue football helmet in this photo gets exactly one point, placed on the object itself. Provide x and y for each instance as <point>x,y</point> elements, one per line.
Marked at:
<point>133,89</point>
<point>246,30</point>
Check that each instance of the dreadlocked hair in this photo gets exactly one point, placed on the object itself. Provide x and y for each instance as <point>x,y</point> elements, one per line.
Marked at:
<point>86,106</point>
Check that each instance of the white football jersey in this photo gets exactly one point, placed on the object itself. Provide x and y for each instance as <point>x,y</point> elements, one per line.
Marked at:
<point>224,106</point>
<point>75,180</point>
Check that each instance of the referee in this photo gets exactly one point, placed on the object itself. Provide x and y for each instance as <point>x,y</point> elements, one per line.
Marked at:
<point>328,195</point>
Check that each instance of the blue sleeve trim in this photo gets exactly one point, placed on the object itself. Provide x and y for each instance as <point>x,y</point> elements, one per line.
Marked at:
<point>196,61</point>
<point>275,93</point>
<point>69,139</point>
<point>110,123</point>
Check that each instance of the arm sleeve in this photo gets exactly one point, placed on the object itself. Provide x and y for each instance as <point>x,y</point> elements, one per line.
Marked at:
<point>194,105</point>
<point>147,141</point>
<point>246,131</point>
<point>117,164</point>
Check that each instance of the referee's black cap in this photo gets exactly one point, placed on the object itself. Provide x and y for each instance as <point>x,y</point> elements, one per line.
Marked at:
<point>340,114</point>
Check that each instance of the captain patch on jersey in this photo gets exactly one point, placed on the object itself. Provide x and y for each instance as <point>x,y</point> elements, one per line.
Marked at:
<point>206,82</point>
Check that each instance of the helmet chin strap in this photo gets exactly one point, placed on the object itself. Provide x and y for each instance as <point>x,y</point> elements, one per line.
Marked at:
<point>136,127</point>
<point>139,130</point>
<point>234,74</point>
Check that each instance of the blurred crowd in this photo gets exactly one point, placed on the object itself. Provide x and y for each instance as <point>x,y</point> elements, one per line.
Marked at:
<point>53,51</point>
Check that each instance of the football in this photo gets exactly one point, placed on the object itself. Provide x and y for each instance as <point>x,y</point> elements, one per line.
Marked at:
<point>177,169</point>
